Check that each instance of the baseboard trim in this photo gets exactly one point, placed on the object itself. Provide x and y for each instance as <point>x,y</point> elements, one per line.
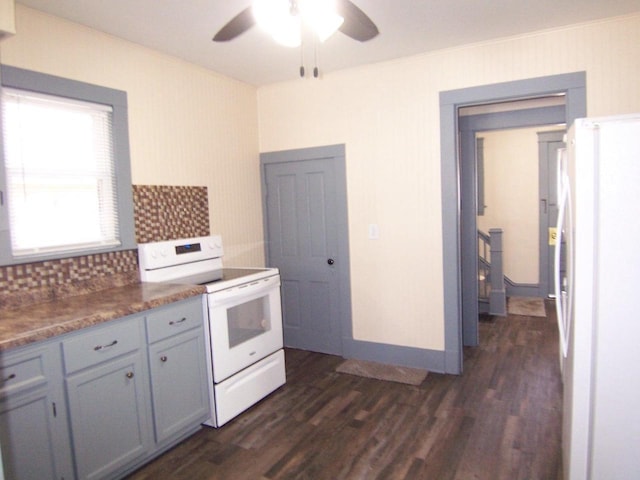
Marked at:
<point>432,360</point>
<point>521,289</point>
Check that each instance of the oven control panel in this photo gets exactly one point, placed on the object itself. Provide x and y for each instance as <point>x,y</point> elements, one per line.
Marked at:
<point>177,252</point>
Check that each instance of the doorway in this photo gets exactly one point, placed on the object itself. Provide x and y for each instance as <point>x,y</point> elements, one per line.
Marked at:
<point>306,232</point>
<point>519,116</point>
<point>458,193</point>
<point>517,192</point>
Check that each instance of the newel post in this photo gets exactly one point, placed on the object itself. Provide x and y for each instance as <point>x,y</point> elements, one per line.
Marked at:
<point>497,297</point>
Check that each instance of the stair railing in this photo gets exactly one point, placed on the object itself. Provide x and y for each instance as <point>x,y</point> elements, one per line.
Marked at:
<point>484,265</point>
<point>491,287</point>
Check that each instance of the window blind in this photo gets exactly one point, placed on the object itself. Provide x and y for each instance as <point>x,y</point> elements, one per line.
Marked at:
<point>60,173</point>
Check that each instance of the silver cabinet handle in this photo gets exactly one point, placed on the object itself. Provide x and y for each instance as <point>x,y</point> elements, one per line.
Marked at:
<point>163,358</point>
<point>129,375</point>
<point>100,347</point>
<point>175,322</point>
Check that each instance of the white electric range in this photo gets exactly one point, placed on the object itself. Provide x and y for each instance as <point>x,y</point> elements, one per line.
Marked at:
<point>243,319</point>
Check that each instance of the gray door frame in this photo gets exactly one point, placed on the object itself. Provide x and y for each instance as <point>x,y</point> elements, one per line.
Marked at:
<point>336,154</point>
<point>548,209</point>
<point>573,86</point>
<point>468,127</point>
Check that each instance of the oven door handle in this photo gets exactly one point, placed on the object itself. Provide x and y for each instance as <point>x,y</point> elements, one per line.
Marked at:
<point>245,291</point>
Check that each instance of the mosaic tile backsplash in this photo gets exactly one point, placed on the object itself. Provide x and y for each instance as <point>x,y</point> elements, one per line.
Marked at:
<point>168,212</point>
<point>45,281</point>
<point>160,213</point>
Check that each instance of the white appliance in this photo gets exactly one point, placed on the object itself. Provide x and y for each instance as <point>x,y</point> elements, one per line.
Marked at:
<point>243,317</point>
<point>597,293</point>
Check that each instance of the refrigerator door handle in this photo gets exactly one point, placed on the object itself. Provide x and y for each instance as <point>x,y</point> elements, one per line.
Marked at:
<point>563,296</point>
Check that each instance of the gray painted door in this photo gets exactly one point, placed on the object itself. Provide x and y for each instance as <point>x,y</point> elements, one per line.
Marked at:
<point>548,145</point>
<point>302,241</point>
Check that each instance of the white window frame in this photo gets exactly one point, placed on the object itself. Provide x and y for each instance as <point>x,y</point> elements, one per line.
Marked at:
<point>74,91</point>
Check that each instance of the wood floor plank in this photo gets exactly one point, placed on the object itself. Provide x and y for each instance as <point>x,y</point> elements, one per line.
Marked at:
<point>500,419</point>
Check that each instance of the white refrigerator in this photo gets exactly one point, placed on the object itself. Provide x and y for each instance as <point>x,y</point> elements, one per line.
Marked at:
<point>598,298</point>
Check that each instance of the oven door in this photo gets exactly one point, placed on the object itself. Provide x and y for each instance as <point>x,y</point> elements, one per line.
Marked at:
<point>246,325</point>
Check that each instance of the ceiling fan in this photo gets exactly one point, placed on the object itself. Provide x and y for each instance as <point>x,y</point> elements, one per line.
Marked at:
<point>356,24</point>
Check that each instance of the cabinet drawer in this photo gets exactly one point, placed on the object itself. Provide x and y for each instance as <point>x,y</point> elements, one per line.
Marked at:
<point>100,344</point>
<point>175,318</point>
<point>21,371</point>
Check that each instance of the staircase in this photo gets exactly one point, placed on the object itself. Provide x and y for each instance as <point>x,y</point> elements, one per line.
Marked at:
<point>492,298</point>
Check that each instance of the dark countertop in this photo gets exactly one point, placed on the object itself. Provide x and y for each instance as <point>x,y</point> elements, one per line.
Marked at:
<point>40,321</point>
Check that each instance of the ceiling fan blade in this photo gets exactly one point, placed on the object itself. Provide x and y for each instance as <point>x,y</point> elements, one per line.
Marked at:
<point>236,26</point>
<point>357,24</point>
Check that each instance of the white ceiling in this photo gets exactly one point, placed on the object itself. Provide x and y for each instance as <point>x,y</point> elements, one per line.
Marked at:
<point>407,27</point>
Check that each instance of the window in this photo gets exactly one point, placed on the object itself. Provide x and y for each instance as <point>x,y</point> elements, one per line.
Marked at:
<point>66,187</point>
<point>61,188</point>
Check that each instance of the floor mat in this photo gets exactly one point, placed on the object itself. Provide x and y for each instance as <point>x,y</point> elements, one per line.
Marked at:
<point>380,371</point>
<point>529,306</point>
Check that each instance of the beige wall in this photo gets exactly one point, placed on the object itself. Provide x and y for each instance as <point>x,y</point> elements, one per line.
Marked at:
<point>388,117</point>
<point>187,125</point>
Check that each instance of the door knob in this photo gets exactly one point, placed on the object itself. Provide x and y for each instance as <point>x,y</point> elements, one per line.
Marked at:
<point>331,261</point>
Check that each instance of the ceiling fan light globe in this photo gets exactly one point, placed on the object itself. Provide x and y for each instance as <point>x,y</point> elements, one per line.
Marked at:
<point>274,17</point>
<point>288,34</point>
<point>327,26</point>
<point>321,16</point>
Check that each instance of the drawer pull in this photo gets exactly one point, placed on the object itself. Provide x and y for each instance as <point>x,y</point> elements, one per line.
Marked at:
<point>176,322</point>
<point>97,348</point>
<point>163,358</point>
<point>10,377</point>
<point>129,375</point>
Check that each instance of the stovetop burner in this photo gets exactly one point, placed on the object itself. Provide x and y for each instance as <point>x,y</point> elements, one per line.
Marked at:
<point>194,261</point>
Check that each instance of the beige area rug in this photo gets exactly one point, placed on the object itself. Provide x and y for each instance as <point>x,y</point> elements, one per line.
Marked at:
<point>529,306</point>
<point>380,371</point>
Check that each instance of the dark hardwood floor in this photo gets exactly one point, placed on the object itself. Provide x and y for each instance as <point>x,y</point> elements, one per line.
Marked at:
<point>501,419</point>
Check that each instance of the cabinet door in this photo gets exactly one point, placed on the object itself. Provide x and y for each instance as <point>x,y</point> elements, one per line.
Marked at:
<point>33,424</point>
<point>26,436</point>
<point>108,410</point>
<point>179,383</point>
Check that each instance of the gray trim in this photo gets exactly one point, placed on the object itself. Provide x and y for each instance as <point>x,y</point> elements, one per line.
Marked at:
<point>574,86</point>
<point>546,218</point>
<point>309,153</point>
<point>62,87</point>
<point>551,136</point>
<point>450,180</point>
<point>337,153</point>
<point>568,83</point>
<point>432,360</point>
<point>480,174</point>
<point>512,119</point>
<point>521,289</point>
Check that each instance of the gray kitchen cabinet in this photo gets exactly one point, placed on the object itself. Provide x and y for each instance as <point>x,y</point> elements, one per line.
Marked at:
<point>107,390</point>
<point>101,401</point>
<point>34,430</point>
<point>177,363</point>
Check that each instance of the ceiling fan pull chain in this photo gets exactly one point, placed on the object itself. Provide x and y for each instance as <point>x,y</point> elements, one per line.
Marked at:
<point>316,72</point>
<point>302,59</point>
